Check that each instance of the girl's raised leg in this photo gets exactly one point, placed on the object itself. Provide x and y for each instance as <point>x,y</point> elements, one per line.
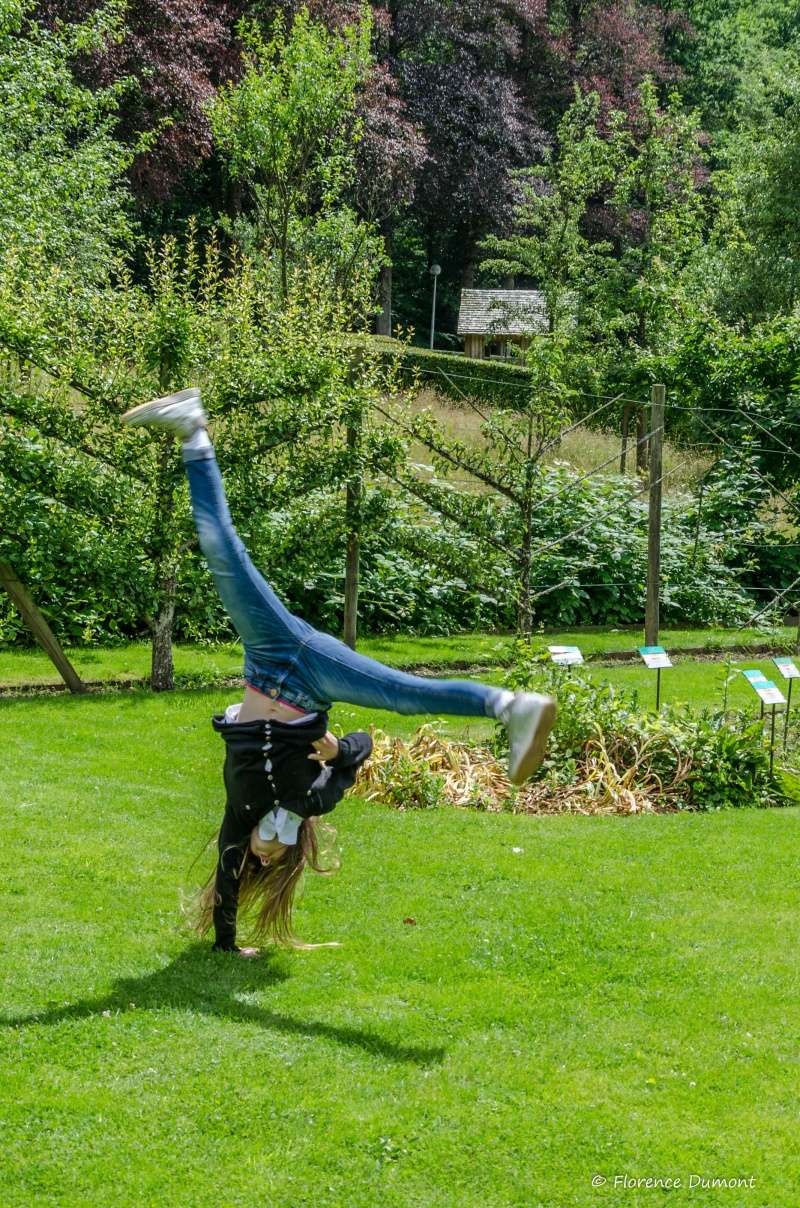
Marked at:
<point>315,666</point>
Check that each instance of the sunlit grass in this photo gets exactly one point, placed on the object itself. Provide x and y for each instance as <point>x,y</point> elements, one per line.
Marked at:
<point>518,1005</point>
<point>582,450</point>
<point>205,663</point>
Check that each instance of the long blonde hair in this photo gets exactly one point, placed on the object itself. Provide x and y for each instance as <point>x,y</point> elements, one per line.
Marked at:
<point>267,891</point>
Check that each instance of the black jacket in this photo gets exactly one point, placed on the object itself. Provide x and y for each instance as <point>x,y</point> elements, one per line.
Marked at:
<point>266,767</point>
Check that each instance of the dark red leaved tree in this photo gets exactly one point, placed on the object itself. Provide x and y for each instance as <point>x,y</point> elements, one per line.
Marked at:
<point>176,53</point>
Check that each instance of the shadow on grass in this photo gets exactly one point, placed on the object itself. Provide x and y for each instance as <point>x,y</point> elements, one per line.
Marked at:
<point>207,983</point>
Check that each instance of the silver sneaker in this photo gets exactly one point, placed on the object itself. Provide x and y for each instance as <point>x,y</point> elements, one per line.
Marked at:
<point>529,719</point>
<point>181,413</point>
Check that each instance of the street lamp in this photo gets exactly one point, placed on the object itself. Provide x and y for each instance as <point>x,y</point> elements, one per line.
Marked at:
<point>434,271</point>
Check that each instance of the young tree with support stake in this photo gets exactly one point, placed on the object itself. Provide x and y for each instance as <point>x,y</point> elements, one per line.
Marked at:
<point>509,466</point>
<point>279,376</point>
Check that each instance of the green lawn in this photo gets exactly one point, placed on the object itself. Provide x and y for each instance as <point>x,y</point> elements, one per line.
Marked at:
<point>618,997</point>
<point>132,661</point>
<point>699,682</point>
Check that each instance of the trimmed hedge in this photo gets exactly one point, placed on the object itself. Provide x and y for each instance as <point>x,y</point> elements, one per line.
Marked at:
<point>456,376</point>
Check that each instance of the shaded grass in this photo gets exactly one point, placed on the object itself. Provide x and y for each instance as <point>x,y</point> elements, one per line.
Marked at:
<point>620,995</point>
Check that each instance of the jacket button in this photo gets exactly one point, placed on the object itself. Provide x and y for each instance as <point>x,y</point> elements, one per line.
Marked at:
<point>273,692</point>
<point>247,807</point>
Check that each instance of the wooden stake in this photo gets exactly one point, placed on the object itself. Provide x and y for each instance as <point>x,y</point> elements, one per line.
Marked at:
<point>626,427</point>
<point>39,627</point>
<point>353,553</point>
<point>651,622</point>
<point>641,443</point>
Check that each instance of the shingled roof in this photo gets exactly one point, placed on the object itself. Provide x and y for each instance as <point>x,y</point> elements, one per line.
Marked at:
<point>501,312</point>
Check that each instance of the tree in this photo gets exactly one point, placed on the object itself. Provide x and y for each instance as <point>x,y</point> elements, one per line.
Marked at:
<point>390,157</point>
<point>751,266</point>
<point>655,221</point>
<point>605,46</point>
<point>170,56</point>
<point>62,194</point>
<point>279,375</point>
<point>507,471</point>
<point>456,68</point>
<point>549,245</point>
<point>733,54</point>
<point>288,128</point>
<point>486,84</point>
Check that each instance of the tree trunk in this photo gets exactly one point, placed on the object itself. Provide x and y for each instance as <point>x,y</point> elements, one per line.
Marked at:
<point>162,676</point>
<point>162,671</point>
<point>525,611</point>
<point>641,443</point>
<point>626,425</point>
<point>351,578</point>
<point>642,449</point>
<point>383,321</point>
<point>234,198</point>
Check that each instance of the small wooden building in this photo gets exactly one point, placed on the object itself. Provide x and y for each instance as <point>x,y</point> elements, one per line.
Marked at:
<point>491,320</point>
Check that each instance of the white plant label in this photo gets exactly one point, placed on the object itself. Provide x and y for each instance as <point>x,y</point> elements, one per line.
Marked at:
<point>655,656</point>
<point>768,692</point>
<point>787,668</point>
<point>565,656</point>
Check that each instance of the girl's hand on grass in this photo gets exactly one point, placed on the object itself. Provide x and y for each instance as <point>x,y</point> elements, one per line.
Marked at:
<point>325,748</point>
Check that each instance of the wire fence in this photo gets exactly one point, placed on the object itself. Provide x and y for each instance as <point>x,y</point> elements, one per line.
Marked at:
<point>742,448</point>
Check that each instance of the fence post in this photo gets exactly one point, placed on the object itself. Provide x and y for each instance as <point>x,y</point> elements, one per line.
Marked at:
<point>651,618</point>
<point>39,627</point>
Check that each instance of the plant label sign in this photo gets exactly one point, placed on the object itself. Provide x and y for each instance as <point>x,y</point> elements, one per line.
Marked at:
<point>787,668</point>
<point>769,693</point>
<point>655,656</point>
<point>565,656</point>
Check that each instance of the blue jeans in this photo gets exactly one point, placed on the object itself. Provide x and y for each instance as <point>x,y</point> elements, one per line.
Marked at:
<point>284,657</point>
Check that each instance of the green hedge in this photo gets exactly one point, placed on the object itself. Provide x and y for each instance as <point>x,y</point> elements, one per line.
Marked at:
<point>456,376</point>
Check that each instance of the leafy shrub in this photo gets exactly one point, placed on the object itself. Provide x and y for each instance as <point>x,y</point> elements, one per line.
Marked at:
<point>419,572</point>
<point>603,745</point>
